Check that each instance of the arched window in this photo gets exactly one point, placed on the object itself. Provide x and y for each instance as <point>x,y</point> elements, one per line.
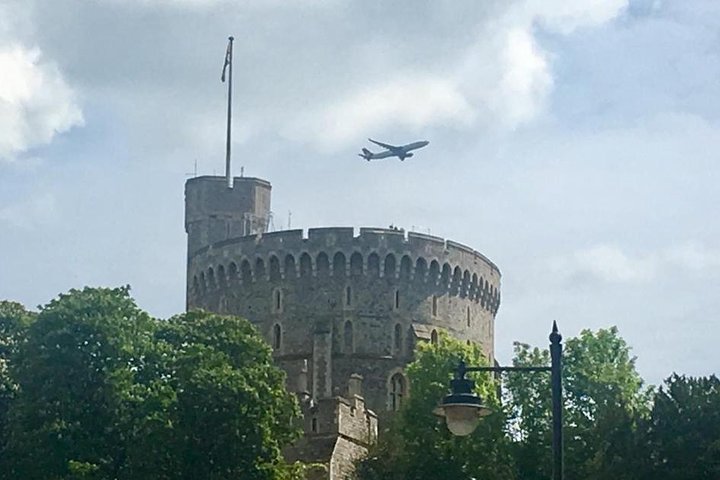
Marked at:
<point>445,276</point>
<point>456,281</point>
<point>348,296</point>
<point>323,264</point>
<point>305,265</point>
<point>405,267</point>
<point>222,279</point>
<point>277,337</point>
<point>434,337</point>
<point>434,272</point>
<point>397,391</point>
<point>356,264</point>
<point>245,272</point>
<point>339,265</point>
<point>290,267</point>
<point>390,266</point>
<point>397,338</point>
<point>373,265</point>
<point>260,270</point>
<point>314,425</point>
<point>211,279</point>
<point>420,270</point>
<point>274,269</point>
<point>348,337</point>
<point>277,300</point>
<point>233,273</point>
<point>203,283</point>
<point>465,288</point>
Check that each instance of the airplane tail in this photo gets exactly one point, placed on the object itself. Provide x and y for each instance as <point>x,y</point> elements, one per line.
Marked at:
<point>366,154</point>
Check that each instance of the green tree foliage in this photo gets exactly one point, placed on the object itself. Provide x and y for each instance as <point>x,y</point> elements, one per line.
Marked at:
<point>14,321</point>
<point>683,431</point>
<point>604,398</point>
<point>418,445</point>
<point>106,392</point>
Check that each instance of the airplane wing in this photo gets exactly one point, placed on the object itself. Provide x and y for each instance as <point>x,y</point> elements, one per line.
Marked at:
<point>384,145</point>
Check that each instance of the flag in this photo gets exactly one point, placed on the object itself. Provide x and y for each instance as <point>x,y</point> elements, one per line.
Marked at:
<point>228,59</point>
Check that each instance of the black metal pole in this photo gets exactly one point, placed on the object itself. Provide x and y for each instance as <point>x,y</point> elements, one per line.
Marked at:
<point>228,173</point>
<point>556,386</point>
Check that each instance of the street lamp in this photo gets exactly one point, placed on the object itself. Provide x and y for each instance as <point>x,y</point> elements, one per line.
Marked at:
<point>463,409</point>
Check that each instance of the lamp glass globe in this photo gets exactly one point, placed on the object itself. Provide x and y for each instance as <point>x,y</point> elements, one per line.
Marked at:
<point>461,419</point>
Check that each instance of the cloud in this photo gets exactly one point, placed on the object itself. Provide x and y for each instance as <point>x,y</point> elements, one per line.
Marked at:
<point>609,264</point>
<point>407,102</point>
<point>36,103</point>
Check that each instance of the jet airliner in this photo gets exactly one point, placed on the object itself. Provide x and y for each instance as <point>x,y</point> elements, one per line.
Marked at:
<point>401,152</point>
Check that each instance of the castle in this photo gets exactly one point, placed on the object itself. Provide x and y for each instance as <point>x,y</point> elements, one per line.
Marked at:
<point>342,309</point>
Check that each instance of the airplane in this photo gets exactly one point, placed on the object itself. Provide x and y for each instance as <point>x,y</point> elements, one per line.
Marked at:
<point>402,152</point>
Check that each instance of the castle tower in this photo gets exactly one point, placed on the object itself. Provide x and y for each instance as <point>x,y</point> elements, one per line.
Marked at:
<point>342,309</point>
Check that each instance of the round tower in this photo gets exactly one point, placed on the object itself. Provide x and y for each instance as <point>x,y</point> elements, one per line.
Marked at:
<point>337,304</point>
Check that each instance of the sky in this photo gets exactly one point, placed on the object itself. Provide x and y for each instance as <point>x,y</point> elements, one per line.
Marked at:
<point>573,143</point>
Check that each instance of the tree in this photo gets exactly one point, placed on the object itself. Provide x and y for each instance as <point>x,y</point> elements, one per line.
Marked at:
<point>14,321</point>
<point>232,414</point>
<point>75,371</point>
<point>419,446</point>
<point>106,392</point>
<point>683,431</point>
<point>604,398</point>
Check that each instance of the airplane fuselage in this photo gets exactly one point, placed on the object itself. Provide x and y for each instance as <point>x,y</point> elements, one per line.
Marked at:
<point>402,152</point>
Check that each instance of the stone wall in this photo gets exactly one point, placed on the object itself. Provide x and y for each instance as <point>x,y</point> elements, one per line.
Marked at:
<point>349,303</point>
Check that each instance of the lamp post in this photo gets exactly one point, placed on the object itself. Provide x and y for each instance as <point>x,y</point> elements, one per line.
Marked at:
<point>462,409</point>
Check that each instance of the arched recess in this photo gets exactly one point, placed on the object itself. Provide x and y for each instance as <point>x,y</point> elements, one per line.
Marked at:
<point>397,390</point>
<point>305,265</point>
<point>277,300</point>
<point>373,265</point>
<point>465,287</point>
<point>390,266</point>
<point>277,337</point>
<point>245,272</point>
<point>339,265</point>
<point>221,278</point>
<point>211,279</point>
<point>260,270</point>
<point>203,283</point>
<point>405,267</point>
<point>274,269</point>
<point>233,273</point>
<point>409,341</point>
<point>445,276</point>
<point>348,340</point>
<point>356,264</point>
<point>473,287</point>
<point>434,339</point>
<point>456,281</point>
<point>323,265</point>
<point>434,272</point>
<point>420,270</point>
<point>290,271</point>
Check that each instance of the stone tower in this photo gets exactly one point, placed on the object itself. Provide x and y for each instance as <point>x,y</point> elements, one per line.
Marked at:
<point>342,309</point>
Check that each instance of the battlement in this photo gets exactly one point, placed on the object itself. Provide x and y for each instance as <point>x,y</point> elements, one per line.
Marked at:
<point>345,237</point>
<point>331,252</point>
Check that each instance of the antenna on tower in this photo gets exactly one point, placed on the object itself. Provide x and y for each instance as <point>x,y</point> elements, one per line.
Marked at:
<point>194,172</point>
<point>228,66</point>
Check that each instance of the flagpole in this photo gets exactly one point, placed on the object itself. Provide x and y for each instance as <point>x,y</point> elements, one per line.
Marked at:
<point>228,174</point>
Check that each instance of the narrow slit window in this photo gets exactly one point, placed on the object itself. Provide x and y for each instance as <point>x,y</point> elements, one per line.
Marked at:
<point>397,299</point>
<point>348,296</point>
<point>434,305</point>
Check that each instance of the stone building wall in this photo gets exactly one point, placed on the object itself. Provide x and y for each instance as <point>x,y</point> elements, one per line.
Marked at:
<point>349,303</point>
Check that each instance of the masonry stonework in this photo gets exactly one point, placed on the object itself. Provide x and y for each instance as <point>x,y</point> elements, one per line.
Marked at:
<point>336,304</point>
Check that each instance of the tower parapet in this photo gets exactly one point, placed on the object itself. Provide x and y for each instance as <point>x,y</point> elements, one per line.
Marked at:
<point>214,212</point>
